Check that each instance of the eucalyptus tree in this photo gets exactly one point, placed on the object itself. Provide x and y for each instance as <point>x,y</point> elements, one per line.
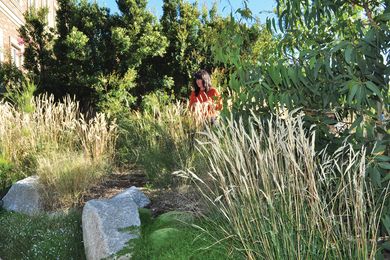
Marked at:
<point>330,56</point>
<point>338,60</point>
<point>342,47</point>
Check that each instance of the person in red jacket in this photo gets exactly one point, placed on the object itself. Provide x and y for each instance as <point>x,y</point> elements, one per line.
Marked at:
<point>204,98</point>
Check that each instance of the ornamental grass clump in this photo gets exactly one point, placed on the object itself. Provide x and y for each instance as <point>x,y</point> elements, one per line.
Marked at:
<point>66,175</point>
<point>273,197</point>
<point>55,141</point>
<point>161,139</point>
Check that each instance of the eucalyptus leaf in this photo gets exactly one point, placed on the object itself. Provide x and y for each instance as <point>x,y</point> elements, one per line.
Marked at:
<point>384,165</point>
<point>371,86</point>
<point>379,149</point>
<point>353,89</point>
<point>348,53</point>
<point>375,176</point>
<point>357,122</point>
<point>382,158</point>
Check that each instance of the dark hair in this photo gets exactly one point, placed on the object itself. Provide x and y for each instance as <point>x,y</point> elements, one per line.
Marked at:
<point>205,77</point>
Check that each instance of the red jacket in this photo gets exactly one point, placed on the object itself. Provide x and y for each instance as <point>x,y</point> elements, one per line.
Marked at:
<point>212,96</point>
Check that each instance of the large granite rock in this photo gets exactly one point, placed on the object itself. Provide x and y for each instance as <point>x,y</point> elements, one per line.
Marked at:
<point>109,224</point>
<point>135,195</point>
<point>24,197</point>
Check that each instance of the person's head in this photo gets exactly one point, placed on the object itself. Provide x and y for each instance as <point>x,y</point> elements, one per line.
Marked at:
<point>202,81</point>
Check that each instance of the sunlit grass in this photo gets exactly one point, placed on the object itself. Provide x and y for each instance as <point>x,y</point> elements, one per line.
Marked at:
<point>55,141</point>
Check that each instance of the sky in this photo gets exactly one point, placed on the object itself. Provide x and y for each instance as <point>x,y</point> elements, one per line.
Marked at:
<point>259,8</point>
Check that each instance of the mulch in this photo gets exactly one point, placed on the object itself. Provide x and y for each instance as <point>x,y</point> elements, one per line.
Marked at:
<point>183,198</point>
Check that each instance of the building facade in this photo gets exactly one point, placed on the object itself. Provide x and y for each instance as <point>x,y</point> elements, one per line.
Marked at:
<point>11,18</point>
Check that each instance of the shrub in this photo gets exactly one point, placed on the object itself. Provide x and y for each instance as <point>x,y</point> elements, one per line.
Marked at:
<point>22,96</point>
<point>113,92</point>
<point>274,197</point>
<point>5,173</point>
<point>179,238</point>
<point>10,76</point>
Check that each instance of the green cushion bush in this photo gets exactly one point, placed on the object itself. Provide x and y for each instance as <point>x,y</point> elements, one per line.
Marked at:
<point>173,219</point>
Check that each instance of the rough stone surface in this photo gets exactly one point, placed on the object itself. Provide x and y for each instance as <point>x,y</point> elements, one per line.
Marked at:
<point>103,222</point>
<point>134,194</point>
<point>24,197</point>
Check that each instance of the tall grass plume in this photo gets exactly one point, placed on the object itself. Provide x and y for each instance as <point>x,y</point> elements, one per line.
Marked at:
<point>274,197</point>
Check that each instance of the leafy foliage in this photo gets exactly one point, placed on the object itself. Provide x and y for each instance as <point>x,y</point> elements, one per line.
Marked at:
<point>182,26</point>
<point>90,45</point>
<point>331,59</point>
<point>136,35</point>
<point>38,39</point>
<point>10,77</point>
<point>114,92</point>
<point>341,62</point>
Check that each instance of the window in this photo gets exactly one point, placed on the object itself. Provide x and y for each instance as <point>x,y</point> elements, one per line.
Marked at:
<point>31,3</point>
<point>1,45</point>
<point>15,56</point>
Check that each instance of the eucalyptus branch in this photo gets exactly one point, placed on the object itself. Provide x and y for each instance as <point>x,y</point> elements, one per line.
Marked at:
<point>367,9</point>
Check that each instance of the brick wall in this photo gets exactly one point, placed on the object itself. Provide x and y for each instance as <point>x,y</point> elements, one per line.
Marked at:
<point>11,18</point>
